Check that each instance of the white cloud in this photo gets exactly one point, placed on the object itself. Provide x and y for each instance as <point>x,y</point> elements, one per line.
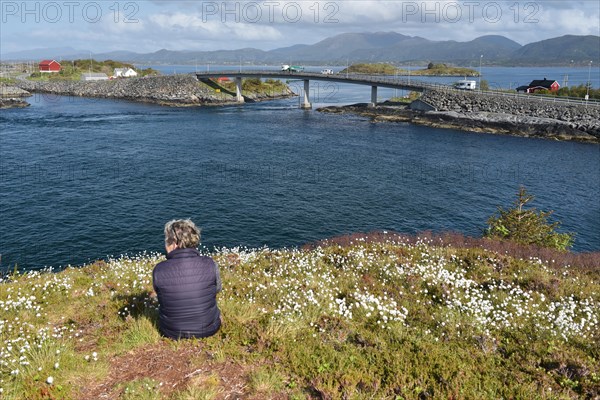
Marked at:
<point>573,21</point>
<point>190,26</point>
<point>267,24</point>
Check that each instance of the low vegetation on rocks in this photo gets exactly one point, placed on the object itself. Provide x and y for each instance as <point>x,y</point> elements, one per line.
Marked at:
<point>388,69</point>
<point>372,69</point>
<point>445,70</point>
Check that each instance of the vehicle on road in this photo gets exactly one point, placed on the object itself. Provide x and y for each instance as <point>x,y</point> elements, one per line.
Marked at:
<point>466,84</point>
<point>292,68</point>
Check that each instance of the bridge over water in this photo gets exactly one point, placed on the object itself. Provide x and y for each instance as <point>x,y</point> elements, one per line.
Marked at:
<point>403,83</point>
<point>368,80</point>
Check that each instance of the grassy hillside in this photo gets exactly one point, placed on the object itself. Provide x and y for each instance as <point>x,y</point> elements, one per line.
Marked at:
<point>385,316</point>
<point>564,50</point>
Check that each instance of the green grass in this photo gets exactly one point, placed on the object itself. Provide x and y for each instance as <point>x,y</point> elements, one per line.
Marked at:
<point>431,70</point>
<point>579,91</point>
<point>372,69</point>
<point>71,70</point>
<point>256,85</point>
<point>386,319</point>
<point>266,381</point>
<point>445,70</point>
<point>412,96</point>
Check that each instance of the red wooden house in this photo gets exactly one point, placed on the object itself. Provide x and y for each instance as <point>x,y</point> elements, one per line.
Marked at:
<point>543,84</point>
<point>49,66</point>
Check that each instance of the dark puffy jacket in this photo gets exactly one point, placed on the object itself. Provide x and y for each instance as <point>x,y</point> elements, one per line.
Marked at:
<point>187,285</point>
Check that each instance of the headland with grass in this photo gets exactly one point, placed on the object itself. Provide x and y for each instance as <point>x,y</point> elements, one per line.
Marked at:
<point>365,316</point>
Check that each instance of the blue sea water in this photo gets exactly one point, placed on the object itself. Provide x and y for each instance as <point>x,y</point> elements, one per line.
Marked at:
<point>81,179</point>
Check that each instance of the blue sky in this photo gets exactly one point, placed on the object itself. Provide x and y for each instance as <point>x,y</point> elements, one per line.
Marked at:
<point>147,26</point>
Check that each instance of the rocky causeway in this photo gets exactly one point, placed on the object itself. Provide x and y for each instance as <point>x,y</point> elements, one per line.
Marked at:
<point>489,114</point>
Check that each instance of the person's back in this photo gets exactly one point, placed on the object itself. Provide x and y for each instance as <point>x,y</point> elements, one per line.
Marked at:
<point>186,285</point>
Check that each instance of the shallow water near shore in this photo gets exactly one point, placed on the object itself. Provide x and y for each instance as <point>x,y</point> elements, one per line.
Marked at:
<point>81,179</point>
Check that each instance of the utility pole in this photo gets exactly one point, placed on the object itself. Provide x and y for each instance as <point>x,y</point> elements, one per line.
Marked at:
<point>347,67</point>
<point>480,59</point>
<point>587,92</point>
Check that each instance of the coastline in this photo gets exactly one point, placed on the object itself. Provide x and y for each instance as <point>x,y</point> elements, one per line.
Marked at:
<point>12,102</point>
<point>12,97</point>
<point>480,113</point>
<point>463,110</point>
<point>477,122</point>
<point>169,90</point>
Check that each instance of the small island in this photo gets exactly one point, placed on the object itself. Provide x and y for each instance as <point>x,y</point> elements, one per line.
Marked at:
<point>388,69</point>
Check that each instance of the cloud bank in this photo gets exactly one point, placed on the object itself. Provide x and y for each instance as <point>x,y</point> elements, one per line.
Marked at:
<point>146,26</point>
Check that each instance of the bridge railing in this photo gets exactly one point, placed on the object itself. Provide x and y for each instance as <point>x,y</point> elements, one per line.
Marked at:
<point>394,81</point>
<point>545,98</point>
<point>531,97</point>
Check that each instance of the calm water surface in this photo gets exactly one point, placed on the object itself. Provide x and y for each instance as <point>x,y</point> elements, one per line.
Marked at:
<point>81,179</point>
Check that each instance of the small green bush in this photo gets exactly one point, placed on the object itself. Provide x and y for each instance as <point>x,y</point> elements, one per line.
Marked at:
<point>527,226</point>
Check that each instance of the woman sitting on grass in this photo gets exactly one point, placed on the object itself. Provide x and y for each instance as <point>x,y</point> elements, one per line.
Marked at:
<point>186,285</point>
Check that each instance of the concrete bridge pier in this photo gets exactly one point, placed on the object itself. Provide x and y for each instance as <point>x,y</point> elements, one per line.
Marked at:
<point>373,102</point>
<point>238,90</point>
<point>306,104</point>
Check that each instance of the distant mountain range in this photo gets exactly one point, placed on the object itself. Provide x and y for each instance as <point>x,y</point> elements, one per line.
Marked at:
<point>364,47</point>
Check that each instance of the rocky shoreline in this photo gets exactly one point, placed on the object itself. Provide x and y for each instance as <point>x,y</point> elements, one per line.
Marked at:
<point>13,103</point>
<point>486,114</point>
<point>470,111</point>
<point>169,90</point>
<point>12,97</point>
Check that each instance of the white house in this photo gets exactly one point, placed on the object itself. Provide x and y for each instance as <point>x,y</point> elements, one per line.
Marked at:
<point>93,76</point>
<point>124,73</point>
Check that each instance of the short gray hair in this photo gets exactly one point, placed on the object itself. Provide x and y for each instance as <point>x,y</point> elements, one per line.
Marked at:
<point>183,233</point>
